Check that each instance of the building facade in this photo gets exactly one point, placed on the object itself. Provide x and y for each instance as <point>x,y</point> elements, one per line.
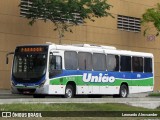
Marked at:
<point>124,32</point>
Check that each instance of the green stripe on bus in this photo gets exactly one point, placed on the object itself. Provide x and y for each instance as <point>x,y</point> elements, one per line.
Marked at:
<point>78,80</point>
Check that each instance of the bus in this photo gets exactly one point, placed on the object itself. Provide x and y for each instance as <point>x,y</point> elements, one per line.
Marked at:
<point>80,69</point>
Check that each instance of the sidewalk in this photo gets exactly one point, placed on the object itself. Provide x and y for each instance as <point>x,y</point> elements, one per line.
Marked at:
<point>5,91</point>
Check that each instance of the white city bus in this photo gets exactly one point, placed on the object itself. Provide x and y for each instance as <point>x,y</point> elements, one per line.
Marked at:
<point>70,70</point>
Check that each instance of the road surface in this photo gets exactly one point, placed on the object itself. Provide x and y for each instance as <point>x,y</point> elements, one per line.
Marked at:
<point>135,99</point>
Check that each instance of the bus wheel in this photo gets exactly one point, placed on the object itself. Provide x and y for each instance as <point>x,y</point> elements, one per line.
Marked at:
<point>123,91</point>
<point>69,92</point>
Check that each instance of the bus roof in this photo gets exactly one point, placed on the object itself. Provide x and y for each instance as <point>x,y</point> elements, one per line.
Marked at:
<point>101,49</point>
<point>93,48</point>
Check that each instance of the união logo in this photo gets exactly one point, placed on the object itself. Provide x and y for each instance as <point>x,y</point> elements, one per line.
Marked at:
<point>88,77</point>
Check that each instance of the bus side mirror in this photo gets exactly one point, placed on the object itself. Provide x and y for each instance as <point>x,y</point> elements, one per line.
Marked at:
<point>7,60</point>
<point>51,54</point>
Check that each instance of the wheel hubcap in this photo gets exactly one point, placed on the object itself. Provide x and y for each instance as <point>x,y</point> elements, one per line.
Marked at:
<point>124,93</point>
<point>69,93</point>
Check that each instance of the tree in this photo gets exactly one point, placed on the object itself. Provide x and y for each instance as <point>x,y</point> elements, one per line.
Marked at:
<point>152,15</point>
<point>67,13</point>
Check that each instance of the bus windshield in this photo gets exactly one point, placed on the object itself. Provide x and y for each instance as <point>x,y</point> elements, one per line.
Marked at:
<point>29,65</point>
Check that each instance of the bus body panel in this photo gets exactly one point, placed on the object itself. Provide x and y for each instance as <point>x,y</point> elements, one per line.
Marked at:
<point>98,82</point>
<point>89,81</point>
<point>51,90</point>
<point>140,89</point>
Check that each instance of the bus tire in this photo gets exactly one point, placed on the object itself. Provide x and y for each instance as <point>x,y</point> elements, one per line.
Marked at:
<point>69,91</point>
<point>123,93</point>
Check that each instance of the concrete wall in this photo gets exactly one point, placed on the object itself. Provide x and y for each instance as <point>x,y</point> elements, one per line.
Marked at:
<point>14,30</point>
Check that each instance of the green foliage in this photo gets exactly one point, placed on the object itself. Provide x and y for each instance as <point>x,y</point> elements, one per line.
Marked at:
<point>61,11</point>
<point>152,15</point>
<point>154,94</point>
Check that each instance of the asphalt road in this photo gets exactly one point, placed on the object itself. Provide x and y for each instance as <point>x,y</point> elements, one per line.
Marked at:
<point>6,94</point>
<point>139,100</point>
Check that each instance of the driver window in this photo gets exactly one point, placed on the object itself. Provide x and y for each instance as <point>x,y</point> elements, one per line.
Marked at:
<point>55,63</point>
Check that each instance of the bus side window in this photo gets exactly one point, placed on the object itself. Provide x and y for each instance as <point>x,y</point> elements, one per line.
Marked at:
<point>71,60</point>
<point>85,61</point>
<point>99,61</point>
<point>112,62</point>
<point>55,65</point>
<point>137,64</point>
<point>125,63</point>
<point>148,65</point>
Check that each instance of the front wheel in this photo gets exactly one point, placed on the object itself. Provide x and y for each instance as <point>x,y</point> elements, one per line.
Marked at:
<point>123,91</point>
<point>69,92</point>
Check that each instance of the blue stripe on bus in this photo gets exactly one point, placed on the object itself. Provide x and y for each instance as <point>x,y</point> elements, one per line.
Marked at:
<point>117,75</point>
<point>120,75</point>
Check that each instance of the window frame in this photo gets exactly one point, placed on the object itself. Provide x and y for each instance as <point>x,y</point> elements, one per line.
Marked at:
<point>128,23</point>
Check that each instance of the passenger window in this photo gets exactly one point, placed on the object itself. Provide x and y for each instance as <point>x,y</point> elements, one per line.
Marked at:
<point>137,64</point>
<point>71,60</point>
<point>148,65</point>
<point>125,63</point>
<point>85,61</point>
<point>99,61</point>
<point>112,62</point>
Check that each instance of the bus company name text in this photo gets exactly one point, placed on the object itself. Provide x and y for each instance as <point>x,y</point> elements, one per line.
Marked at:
<point>88,77</point>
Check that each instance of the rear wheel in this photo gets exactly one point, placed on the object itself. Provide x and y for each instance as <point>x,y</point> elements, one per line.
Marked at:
<point>123,93</point>
<point>69,92</point>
